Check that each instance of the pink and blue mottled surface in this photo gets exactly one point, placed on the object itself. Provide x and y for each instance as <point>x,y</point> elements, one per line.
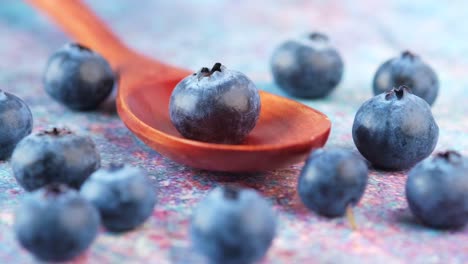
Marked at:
<point>242,35</point>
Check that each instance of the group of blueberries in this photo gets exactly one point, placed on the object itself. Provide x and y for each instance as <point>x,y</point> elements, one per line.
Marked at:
<point>69,195</point>
<point>394,130</point>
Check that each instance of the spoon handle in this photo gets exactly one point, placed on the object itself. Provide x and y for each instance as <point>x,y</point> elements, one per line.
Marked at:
<point>83,25</point>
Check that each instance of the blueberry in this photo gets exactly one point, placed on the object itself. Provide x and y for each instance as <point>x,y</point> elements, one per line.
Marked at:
<point>15,123</point>
<point>123,195</point>
<point>55,223</point>
<point>54,155</point>
<point>437,190</point>
<point>409,70</point>
<point>395,130</point>
<point>331,180</point>
<point>78,77</point>
<point>233,225</point>
<point>217,106</point>
<point>309,67</point>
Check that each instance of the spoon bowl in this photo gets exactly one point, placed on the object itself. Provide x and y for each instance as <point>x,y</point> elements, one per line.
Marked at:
<point>285,134</point>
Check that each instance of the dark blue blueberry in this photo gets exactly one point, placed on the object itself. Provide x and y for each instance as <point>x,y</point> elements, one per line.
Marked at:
<point>395,130</point>
<point>55,223</point>
<point>409,70</point>
<point>54,155</point>
<point>217,106</point>
<point>332,180</point>
<point>123,195</point>
<point>309,67</point>
<point>437,190</point>
<point>16,122</point>
<point>233,226</point>
<point>78,77</point>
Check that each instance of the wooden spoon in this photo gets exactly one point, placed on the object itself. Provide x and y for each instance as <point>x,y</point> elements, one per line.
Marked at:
<point>285,133</point>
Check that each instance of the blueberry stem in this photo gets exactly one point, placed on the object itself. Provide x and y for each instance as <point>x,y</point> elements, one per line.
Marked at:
<point>408,54</point>
<point>205,72</point>
<point>216,67</point>
<point>350,217</point>
<point>81,47</point>
<point>398,92</point>
<point>450,156</point>
<point>231,193</point>
<point>318,36</point>
<point>54,189</point>
<point>55,131</point>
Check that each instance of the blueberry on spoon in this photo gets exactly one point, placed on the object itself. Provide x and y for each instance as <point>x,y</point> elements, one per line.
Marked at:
<point>216,106</point>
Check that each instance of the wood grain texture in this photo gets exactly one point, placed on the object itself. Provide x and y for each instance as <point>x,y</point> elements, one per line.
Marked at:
<point>285,134</point>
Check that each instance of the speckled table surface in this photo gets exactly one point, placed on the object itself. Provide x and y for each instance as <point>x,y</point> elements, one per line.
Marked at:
<point>242,35</point>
